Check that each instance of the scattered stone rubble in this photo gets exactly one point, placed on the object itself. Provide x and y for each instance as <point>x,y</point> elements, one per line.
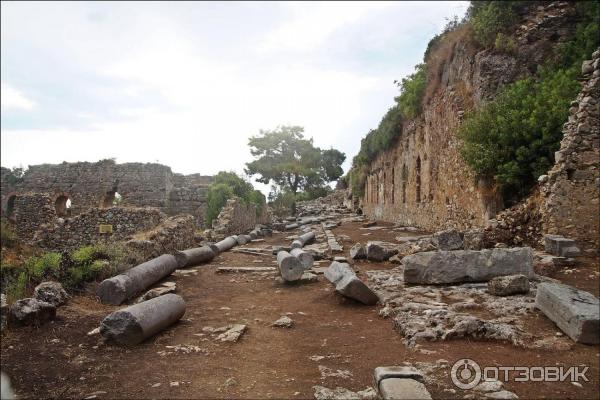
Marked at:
<point>51,292</point>
<point>30,311</point>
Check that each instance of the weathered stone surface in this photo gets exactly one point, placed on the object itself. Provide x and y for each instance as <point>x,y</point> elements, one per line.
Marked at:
<point>439,267</point>
<point>561,246</point>
<point>400,389</point>
<point>241,239</point>
<point>508,285</point>
<point>296,244</point>
<point>303,240</point>
<point>290,267</point>
<point>395,371</point>
<point>119,288</point>
<point>380,251</point>
<point>449,239</point>
<point>474,239</point>
<point>575,311</point>
<point>347,283</point>
<point>32,312</point>
<point>233,333</point>
<point>226,244</point>
<point>195,256</point>
<point>136,323</point>
<point>305,257</point>
<point>239,216</point>
<point>284,322</point>
<point>358,252</point>
<point>51,292</point>
<point>167,287</point>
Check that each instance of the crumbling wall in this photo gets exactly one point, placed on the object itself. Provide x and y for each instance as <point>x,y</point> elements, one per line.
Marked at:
<point>31,211</point>
<point>422,179</point>
<point>88,185</point>
<point>84,229</point>
<point>571,204</point>
<point>238,217</point>
<point>174,233</point>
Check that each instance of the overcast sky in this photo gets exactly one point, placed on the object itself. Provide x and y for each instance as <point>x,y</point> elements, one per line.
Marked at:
<point>186,84</point>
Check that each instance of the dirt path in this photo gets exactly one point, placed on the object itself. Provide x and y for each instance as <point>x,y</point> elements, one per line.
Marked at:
<point>60,360</point>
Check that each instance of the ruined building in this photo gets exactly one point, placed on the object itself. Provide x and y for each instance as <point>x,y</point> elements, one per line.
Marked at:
<point>422,179</point>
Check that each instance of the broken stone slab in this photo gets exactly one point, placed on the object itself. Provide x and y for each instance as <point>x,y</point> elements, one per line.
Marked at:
<point>232,334</point>
<point>340,393</point>
<point>138,322</point>
<point>575,312</point>
<point>195,256</point>
<point>284,322</point>
<point>51,292</point>
<point>380,251</point>
<point>473,239</point>
<point>246,269</point>
<point>167,287</point>
<point>358,252</point>
<point>290,267</point>
<point>347,283</point>
<point>226,244</point>
<point>125,286</point>
<point>305,257</point>
<point>400,389</point>
<point>441,267</point>
<point>508,285</point>
<point>449,239</point>
<point>561,246</point>
<point>32,312</point>
<point>396,371</point>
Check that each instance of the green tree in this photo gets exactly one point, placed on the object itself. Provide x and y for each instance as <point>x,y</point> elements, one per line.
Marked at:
<point>292,162</point>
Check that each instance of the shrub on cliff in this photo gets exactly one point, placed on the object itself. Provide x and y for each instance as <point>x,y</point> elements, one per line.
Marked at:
<point>412,89</point>
<point>489,18</point>
<point>513,138</point>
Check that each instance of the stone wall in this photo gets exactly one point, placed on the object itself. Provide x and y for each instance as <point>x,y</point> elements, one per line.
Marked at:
<point>174,233</point>
<point>571,205</point>
<point>238,217</point>
<point>422,179</point>
<point>83,229</point>
<point>88,185</point>
<point>32,211</point>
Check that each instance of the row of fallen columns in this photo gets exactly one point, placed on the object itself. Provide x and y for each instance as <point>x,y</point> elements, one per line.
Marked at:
<point>138,322</point>
<point>294,263</point>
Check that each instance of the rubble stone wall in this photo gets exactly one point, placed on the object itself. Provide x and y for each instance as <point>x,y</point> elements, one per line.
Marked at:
<point>571,204</point>
<point>84,229</point>
<point>237,217</point>
<point>30,211</point>
<point>88,185</point>
<point>174,233</point>
<point>422,179</point>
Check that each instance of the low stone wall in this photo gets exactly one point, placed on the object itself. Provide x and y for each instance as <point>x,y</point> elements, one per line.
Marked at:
<point>84,229</point>
<point>237,217</point>
<point>32,211</point>
<point>174,233</point>
<point>570,189</point>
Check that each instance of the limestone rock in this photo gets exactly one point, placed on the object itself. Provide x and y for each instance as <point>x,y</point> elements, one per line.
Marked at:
<point>448,240</point>
<point>51,292</point>
<point>508,285</point>
<point>380,251</point>
<point>575,311</point>
<point>32,311</point>
<point>233,333</point>
<point>400,389</point>
<point>284,322</point>
<point>561,246</point>
<point>358,252</point>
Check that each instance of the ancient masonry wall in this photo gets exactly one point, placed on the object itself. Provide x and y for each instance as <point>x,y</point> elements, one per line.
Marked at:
<point>174,233</point>
<point>571,204</point>
<point>422,180</point>
<point>237,217</point>
<point>33,211</point>
<point>88,185</point>
<point>84,229</point>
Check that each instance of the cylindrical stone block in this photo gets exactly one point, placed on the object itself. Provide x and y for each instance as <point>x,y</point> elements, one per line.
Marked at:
<point>119,288</point>
<point>290,267</point>
<point>307,238</point>
<point>305,257</point>
<point>195,256</point>
<point>136,323</point>
<point>214,248</point>
<point>253,235</point>
<point>289,227</point>
<point>297,244</point>
<point>241,239</point>
<point>226,244</point>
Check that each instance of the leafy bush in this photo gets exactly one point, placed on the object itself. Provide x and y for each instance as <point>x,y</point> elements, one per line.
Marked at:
<point>218,194</point>
<point>488,18</point>
<point>513,138</point>
<point>505,44</point>
<point>587,35</point>
<point>7,235</point>
<point>411,92</point>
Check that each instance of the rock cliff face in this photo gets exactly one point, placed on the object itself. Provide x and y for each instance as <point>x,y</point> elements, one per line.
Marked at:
<point>422,180</point>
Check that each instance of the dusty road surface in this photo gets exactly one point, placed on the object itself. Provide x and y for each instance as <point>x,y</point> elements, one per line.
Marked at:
<point>332,342</point>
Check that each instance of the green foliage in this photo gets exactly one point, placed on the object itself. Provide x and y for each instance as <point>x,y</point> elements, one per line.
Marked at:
<point>283,203</point>
<point>7,236</point>
<point>15,176</point>
<point>292,162</point>
<point>358,178</point>
<point>488,18</point>
<point>587,36</point>
<point>505,44</point>
<point>513,138</point>
<point>225,186</point>
<point>412,89</point>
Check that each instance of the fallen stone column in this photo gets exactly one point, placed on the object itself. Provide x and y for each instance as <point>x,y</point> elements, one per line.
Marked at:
<point>241,239</point>
<point>305,257</point>
<point>303,240</point>
<point>290,267</point>
<point>119,288</point>
<point>136,323</point>
<point>226,244</point>
<point>289,227</point>
<point>253,235</point>
<point>347,283</point>
<point>440,267</point>
<point>195,256</point>
<point>576,312</point>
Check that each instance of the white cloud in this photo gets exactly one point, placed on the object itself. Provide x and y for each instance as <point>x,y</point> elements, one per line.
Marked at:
<point>13,98</point>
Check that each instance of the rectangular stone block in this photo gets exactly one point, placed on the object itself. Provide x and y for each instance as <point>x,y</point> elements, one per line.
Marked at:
<point>403,389</point>
<point>442,267</point>
<point>561,246</point>
<point>575,312</point>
